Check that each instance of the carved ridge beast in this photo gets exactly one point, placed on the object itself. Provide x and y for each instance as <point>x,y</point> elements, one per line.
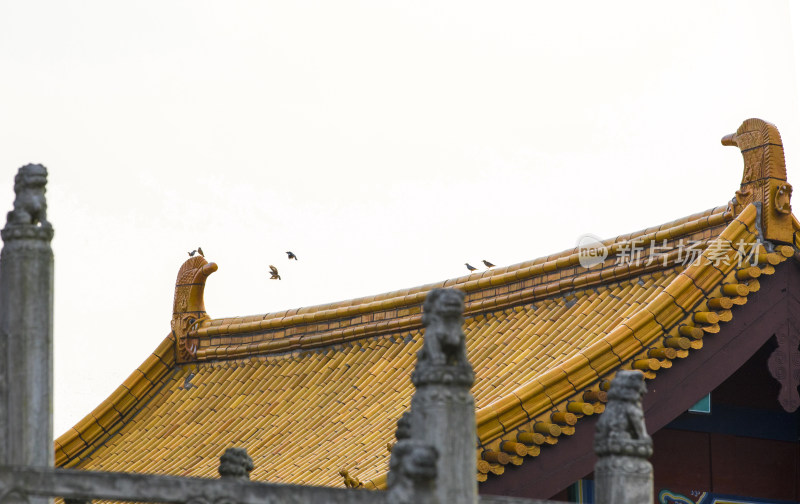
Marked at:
<point>188,307</point>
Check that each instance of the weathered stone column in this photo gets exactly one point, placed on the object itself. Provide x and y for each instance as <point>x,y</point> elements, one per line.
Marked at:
<point>412,468</point>
<point>442,408</point>
<point>622,473</point>
<point>26,326</point>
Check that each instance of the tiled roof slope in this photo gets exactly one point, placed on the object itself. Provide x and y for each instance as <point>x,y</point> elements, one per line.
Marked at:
<point>313,390</point>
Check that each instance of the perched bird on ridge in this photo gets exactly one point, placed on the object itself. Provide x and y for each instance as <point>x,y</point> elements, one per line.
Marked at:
<point>470,267</point>
<point>200,251</point>
<point>488,264</point>
<point>273,271</point>
<point>291,255</point>
<point>192,253</point>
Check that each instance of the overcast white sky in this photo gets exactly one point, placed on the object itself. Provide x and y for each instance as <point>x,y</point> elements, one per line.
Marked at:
<point>386,143</point>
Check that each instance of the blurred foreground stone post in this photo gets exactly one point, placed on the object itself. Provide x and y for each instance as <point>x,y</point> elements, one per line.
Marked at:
<point>623,473</point>
<point>412,468</point>
<point>26,326</point>
<point>235,463</point>
<point>442,408</point>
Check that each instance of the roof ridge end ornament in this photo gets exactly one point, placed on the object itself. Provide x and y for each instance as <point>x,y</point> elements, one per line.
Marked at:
<point>188,308</point>
<point>764,177</point>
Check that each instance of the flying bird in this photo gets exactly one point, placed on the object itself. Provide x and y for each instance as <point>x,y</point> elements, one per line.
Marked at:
<point>488,264</point>
<point>291,255</point>
<point>200,251</point>
<point>470,267</point>
<point>192,253</point>
<point>273,271</point>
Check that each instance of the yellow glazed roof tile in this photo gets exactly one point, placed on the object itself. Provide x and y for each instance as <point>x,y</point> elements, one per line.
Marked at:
<point>311,390</point>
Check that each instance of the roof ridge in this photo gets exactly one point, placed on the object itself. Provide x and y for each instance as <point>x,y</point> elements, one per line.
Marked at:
<point>466,279</point>
<point>489,290</point>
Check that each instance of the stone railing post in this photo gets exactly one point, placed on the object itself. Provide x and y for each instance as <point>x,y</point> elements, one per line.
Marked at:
<point>235,463</point>
<point>622,472</point>
<point>412,468</point>
<point>26,326</point>
<point>442,408</point>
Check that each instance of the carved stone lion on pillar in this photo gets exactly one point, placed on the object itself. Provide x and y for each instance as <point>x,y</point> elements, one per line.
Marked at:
<point>620,429</point>
<point>444,341</point>
<point>30,204</point>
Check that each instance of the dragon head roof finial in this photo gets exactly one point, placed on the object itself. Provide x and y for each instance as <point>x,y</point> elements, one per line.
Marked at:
<point>764,178</point>
<point>188,307</point>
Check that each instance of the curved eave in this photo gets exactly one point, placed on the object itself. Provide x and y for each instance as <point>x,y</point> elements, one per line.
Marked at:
<point>684,302</point>
<point>124,402</point>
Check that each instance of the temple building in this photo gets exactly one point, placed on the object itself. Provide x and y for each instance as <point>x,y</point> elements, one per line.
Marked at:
<point>707,306</point>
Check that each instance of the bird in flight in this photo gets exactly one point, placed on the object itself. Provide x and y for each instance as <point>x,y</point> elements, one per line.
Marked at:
<point>470,267</point>
<point>273,271</point>
<point>200,251</point>
<point>291,255</point>
<point>488,264</point>
<point>192,253</point>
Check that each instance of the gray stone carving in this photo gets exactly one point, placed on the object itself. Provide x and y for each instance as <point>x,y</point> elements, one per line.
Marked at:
<point>621,429</point>
<point>30,206</point>
<point>442,316</point>
<point>403,430</point>
<point>443,356</point>
<point>412,468</point>
<point>26,327</point>
<point>442,407</point>
<point>18,485</point>
<point>622,473</point>
<point>15,498</point>
<point>235,463</point>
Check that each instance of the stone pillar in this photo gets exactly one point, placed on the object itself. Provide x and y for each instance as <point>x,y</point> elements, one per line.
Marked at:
<point>26,326</point>
<point>442,408</point>
<point>622,472</point>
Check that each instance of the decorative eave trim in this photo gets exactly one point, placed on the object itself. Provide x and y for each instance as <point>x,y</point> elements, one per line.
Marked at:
<point>668,326</point>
